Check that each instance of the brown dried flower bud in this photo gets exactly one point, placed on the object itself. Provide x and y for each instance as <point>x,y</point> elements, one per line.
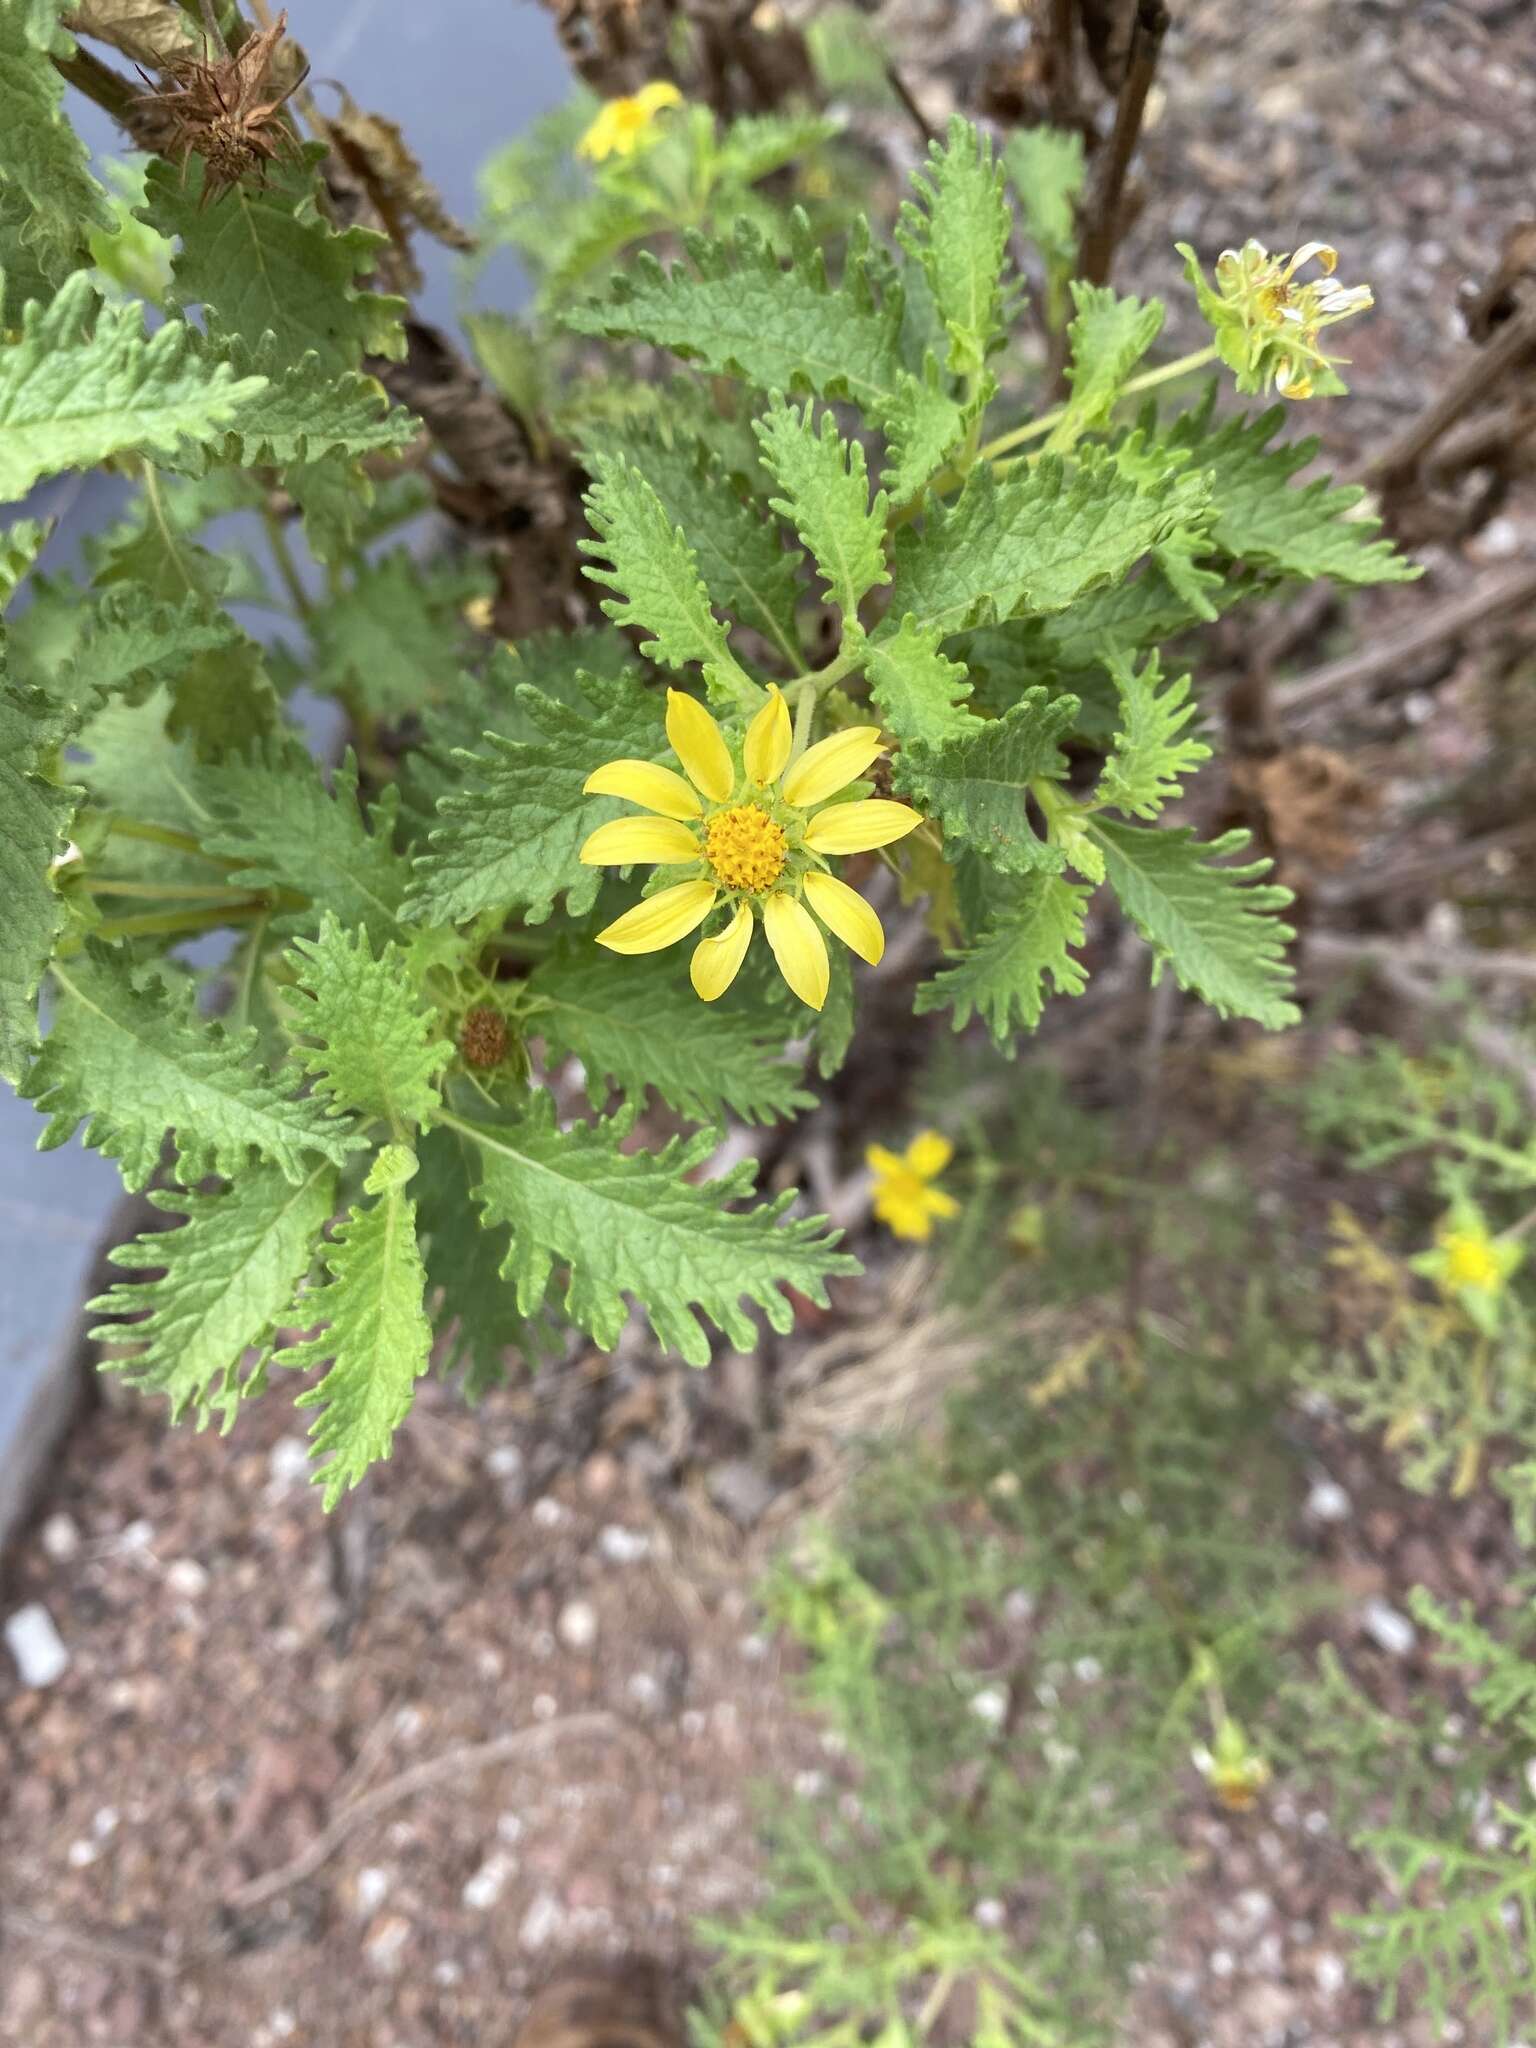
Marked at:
<point>227,110</point>
<point>483,1037</point>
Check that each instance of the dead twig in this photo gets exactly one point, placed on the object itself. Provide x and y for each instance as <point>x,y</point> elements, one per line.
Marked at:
<point>437,1770</point>
<point>1470,384</point>
<point>1396,654</point>
<point>1449,962</point>
<point>1102,215</point>
<point>903,92</point>
<point>106,1948</point>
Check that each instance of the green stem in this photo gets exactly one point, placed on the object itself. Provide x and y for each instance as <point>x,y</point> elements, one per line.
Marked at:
<point>159,835</point>
<point>287,568</point>
<point>1147,381</point>
<point>167,892</point>
<point>177,923</point>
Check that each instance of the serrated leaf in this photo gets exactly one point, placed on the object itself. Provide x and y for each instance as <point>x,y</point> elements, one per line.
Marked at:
<point>1034,543</point>
<point>223,1280</point>
<point>477,1317</point>
<point>1047,167</point>
<point>376,1050</point>
<point>958,231</point>
<point>307,411</point>
<point>1026,942</point>
<point>634,1024</point>
<point>656,572</point>
<point>135,1062</point>
<point>511,832</point>
<point>273,812</point>
<point>263,261</point>
<point>377,1339</point>
<point>922,428</point>
<point>1211,924</point>
<point>635,1223</point>
<point>920,692</point>
<point>826,499</point>
<point>84,382</point>
<point>978,786</point>
<point>20,545</point>
<point>754,146</point>
<point>746,567</point>
<point>1154,748</point>
<point>50,196</point>
<point>1260,518</point>
<point>35,816</point>
<point>394,635</point>
<point>1107,339</point>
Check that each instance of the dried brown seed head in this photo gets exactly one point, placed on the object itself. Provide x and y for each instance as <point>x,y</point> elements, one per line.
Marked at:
<point>228,110</point>
<point>483,1037</point>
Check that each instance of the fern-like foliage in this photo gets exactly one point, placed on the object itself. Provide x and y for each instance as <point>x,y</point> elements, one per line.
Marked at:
<point>1154,748</point>
<point>372,1046</point>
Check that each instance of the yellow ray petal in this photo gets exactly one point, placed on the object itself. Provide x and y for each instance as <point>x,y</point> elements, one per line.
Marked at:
<point>880,1159</point>
<point>929,1153</point>
<point>642,782</point>
<point>699,744</point>
<point>855,828</point>
<point>938,1203</point>
<point>715,961</point>
<point>769,738</point>
<point>658,94</point>
<point>630,839</point>
<point>844,911</point>
<point>831,765</point>
<point>660,919</point>
<point>798,947</point>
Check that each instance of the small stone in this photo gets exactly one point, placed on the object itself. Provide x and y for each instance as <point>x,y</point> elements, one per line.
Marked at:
<point>385,1944</point>
<point>372,1889</point>
<point>1088,1670</point>
<point>282,2023</point>
<point>545,1706</point>
<point>991,1705</point>
<point>548,1512</point>
<point>645,1690</point>
<point>60,1538</point>
<point>287,1463</point>
<point>36,1645</point>
<point>754,1648</point>
<point>447,1972</point>
<point>1223,1963</point>
<point>599,1475</point>
<point>542,1922</point>
<point>484,1889</point>
<point>187,1577</point>
<point>80,1855</point>
<point>742,1491</point>
<point>810,1784</point>
<point>1330,1974</point>
<point>623,1546</point>
<point>1388,1629</point>
<point>1019,1608</point>
<point>138,1537</point>
<point>504,1461</point>
<point>1328,1502</point>
<point>577,1625</point>
<point>104,1822</point>
<point>991,1913</point>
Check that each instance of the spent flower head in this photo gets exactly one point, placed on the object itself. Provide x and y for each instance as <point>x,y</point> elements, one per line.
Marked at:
<point>749,838</point>
<point>1470,1266</point>
<point>1266,322</point>
<point>625,125</point>
<point>905,1199</point>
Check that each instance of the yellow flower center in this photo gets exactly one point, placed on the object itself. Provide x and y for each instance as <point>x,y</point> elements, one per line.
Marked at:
<point>1469,1260</point>
<point>745,848</point>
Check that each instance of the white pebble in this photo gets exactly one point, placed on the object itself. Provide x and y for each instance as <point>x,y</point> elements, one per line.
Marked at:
<point>1388,1629</point>
<point>1088,1670</point>
<point>187,1577</point>
<point>1330,1974</point>
<point>754,1648</point>
<point>484,1889</point>
<point>1223,1962</point>
<point>80,1854</point>
<point>542,1921</point>
<point>372,1889</point>
<point>282,2023</point>
<point>1019,1607</point>
<point>1328,1502</point>
<point>138,1536</point>
<point>287,1463</point>
<point>810,1784</point>
<point>60,1538</point>
<point>36,1645</point>
<point>694,1723</point>
<point>1255,1906</point>
<point>548,1513</point>
<point>545,1706</point>
<point>623,1546</point>
<point>385,1946</point>
<point>447,1972</point>
<point>104,1822</point>
<point>510,1827</point>
<point>577,1626</point>
<point>990,1913</point>
<point>504,1460</point>
<point>644,1690</point>
<point>991,1705</point>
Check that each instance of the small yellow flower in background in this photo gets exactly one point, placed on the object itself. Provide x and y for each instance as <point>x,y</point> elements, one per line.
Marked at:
<point>1235,1771</point>
<point>1469,1265</point>
<point>906,1201</point>
<point>1266,324</point>
<point>755,848</point>
<point>623,125</point>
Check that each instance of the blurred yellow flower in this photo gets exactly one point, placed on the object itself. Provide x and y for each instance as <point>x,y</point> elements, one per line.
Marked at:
<point>1235,1771</point>
<point>623,125</point>
<point>1266,324</point>
<point>1469,1265</point>
<point>906,1201</point>
<point>744,838</point>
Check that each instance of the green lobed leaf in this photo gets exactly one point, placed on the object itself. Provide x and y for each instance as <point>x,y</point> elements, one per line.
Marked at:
<point>36,812</point>
<point>1154,748</point>
<point>273,812</point>
<point>922,429</point>
<point>394,635</point>
<point>656,572</point>
<point>636,1223</point>
<point>754,146</point>
<point>1026,941</point>
<point>825,488</point>
<point>977,786</point>
<point>262,261</point>
<point>1047,167</point>
<point>635,1023</point>
<point>920,692</point>
<point>477,1317</point>
<point>1033,543</point>
<point>84,382</point>
<point>958,230</point>
<point>377,1339</point>
<point>1211,924</point>
<point>135,1062</point>
<point>746,567</point>
<point>48,197</point>
<point>222,1281</point>
<point>375,1047</point>
<point>511,832</point>
<point>1107,339</point>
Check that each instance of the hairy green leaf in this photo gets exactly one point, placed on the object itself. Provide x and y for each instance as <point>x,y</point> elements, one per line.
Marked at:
<point>1154,748</point>
<point>35,816</point>
<point>958,231</point>
<point>375,1047</point>
<point>1047,167</point>
<point>377,1338</point>
<point>478,1319</point>
<point>47,193</point>
<point>825,498</point>
<point>1211,924</point>
<point>634,1024</point>
<point>977,786</point>
<point>394,636</point>
<point>512,830</point>
<point>1026,941</point>
<point>920,692</point>
<point>222,1281</point>
<point>136,1062</point>
<point>636,1223</point>
<point>1108,338</point>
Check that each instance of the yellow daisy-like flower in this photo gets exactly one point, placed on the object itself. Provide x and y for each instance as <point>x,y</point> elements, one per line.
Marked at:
<point>623,125</point>
<point>1470,1265</point>
<point>906,1201</point>
<point>757,837</point>
<point>1266,324</point>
